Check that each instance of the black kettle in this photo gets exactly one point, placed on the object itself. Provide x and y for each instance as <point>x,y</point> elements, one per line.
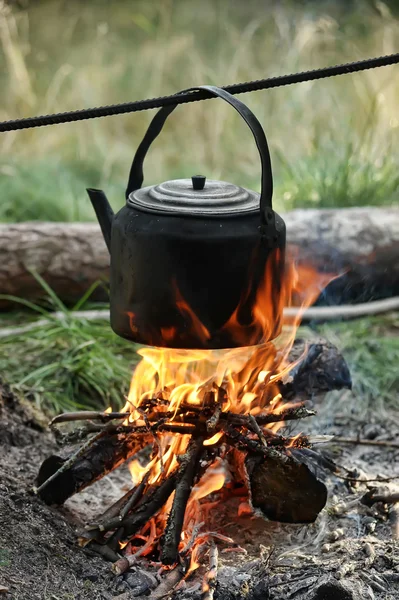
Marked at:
<point>190,259</point>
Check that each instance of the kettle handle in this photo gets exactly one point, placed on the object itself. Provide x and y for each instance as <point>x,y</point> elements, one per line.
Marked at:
<point>136,176</point>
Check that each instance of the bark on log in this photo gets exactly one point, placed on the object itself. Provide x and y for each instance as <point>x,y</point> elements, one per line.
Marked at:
<point>104,456</point>
<point>72,256</point>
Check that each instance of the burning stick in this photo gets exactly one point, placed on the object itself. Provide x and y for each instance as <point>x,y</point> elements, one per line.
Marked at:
<point>123,564</point>
<point>168,584</point>
<point>87,415</point>
<point>288,414</point>
<point>186,477</point>
<point>114,516</point>
<point>209,583</point>
<point>149,505</point>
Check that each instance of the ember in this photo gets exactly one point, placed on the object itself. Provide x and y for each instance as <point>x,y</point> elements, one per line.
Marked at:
<point>200,426</point>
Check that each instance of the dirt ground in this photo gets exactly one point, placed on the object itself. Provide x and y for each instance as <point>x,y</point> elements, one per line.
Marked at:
<point>350,553</point>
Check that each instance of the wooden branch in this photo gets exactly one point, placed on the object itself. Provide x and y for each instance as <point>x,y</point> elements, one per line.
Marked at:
<point>168,584</point>
<point>86,415</point>
<point>187,474</point>
<point>149,505</point>
<point>362,442</point>
<point>371,498</point>
<point>90,463</point>
<point>72,256</point>
<point>114,516</point>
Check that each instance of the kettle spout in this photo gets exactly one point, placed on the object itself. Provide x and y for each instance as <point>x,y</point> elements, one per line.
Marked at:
<point>104,213</point>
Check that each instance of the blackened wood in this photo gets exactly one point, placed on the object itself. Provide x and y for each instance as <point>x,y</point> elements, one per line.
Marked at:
<point>104,550</point>
<point>282,489</point>
<point>115,521</point>
<point>371,497</point>
<point>187,473</point>
<point>290,413</point>
<point>149,505</point>
<point>105,455</point>
<point>322,369</point>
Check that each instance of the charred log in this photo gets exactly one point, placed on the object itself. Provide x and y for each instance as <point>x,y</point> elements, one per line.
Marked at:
<point>283,489</point>
<point>322,369</point>
<point>106,454</point>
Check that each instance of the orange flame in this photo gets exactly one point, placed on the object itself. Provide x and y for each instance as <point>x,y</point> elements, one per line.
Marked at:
<point>248,375</point>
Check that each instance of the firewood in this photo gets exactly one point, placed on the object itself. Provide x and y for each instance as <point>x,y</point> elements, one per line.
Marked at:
<point>114,516</point>
<point>187,474</point>
<point>104,455</point>
<point>149,505</point>
<point>283,489</point>
<point>168,584</point>
<point>371,498</point>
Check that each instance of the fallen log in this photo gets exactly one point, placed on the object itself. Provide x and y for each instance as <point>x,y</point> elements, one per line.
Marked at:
<point>363,243</point>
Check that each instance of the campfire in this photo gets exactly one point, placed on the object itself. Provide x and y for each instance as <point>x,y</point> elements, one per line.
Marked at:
<point>200,427</point>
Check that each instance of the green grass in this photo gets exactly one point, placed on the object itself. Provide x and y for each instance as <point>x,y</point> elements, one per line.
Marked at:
<point>340,179</point>
<point>67,364</point>
<point>333,142</point>
<point>371,348</point>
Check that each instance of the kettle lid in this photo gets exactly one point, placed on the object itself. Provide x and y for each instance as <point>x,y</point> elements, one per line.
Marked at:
<point>195,197</point>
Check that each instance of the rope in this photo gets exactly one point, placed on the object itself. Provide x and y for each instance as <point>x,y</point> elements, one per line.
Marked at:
<point>237,88</point>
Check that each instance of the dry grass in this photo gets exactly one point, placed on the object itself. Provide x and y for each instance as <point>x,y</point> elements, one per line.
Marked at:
<point>333,142</point>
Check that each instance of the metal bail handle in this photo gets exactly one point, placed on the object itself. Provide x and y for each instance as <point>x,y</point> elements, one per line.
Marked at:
<point>136,176</point>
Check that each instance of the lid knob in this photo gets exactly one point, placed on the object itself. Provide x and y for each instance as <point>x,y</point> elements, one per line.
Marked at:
<point>198,181</point>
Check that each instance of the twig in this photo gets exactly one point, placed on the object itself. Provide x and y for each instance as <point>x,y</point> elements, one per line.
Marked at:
<point>104,551</point>
<point>371,498</point>
<point>123,564</point>
<point>209,583</point>
<point>329,313</point>
<point>77,435</point>
<point>115,520</point>
<point>88,415</point>
<point>149,504</point>
<point>363,442</point>
<point>112,511</point>
<point>186,477</point>
<point>394,521</point>
<point>192,539</point>
<point>257,429</point>
<point>288,414</point>
<point>168,584</point>
<point>169,427</point>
